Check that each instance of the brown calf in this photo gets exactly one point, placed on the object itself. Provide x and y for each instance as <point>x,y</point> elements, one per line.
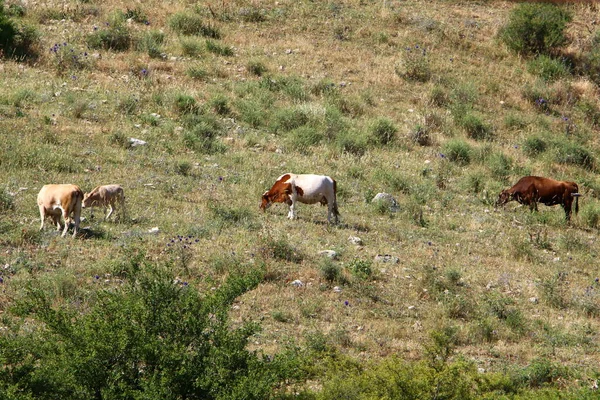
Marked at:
<point>107,196</point>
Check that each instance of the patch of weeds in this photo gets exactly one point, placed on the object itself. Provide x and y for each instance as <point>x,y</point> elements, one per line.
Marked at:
<point>590,215</point>
<point>288,119</point>
<point>539,373</point>
<point>331,271</point>
<point>7,202</point>
<point>457,151</point>
<point>281,316</point>
<point>183,168</point>
<point>253,112</point>
<point>219,103</point>
<point>66,57</point>
<point>522,249</point>
<point>79,108</point>
<point>574,154</point>
<point>383,131</point>
<point>114,36</point>
<point>180,248</point>
<point>475,182</point>
<point>197,72</point>
<point>361,269</point>
<point>228,217</point>
<point>500,165</point>
<point>548,68</point>
<point>420,135</point>
<point>554,290</point>
<point>252,14</point>
<point>151,42</point>
<point>317,342</point>
<point>591,112</point>
<point>458,307</point>
<point>341,337</point>
<point>280,249</point>
<point>534,146</point>
<point>515,121</point>
<point>219,49</point>
<point>539,239</point>
<point>414,65</point>
<point>304,137</point>
<point>475,127</point>
<point>535,28</point>
<point>186,104</point>
<point>439,96</point>
<point>589,301</point>
<point>187,23</point>
<point>256,67</point>
<point>128,104</point>
<point>191,46</point>
<point>119,139</point>
<point>136,14</point>
<point>572,243</point>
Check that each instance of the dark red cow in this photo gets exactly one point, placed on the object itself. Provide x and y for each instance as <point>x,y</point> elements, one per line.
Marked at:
<point>531,190</point>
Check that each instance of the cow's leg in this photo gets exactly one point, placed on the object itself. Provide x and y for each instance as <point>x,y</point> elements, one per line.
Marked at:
<point>292,212</point>
<point>42,216</point>
<point>110,211</point>
<point>65,214</point>
<point>76,217</point>
<point>567,205</point>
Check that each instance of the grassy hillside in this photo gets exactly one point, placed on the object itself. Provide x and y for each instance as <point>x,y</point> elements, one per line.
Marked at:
<point>422,100</point>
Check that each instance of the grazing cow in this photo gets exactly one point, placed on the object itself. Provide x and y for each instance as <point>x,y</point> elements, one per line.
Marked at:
<point>308,189</point>
<point>107,196</point>
<point>57,200</point>
<point>531,190</point>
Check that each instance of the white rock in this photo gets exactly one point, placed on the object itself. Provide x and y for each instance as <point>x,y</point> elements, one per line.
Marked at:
<point>297,283</point>
<point>386,258</point>
<point>533,300</point>
<point>154,230</point>
<point>337,289</point>
<point>355,240</point>
<point>136,142</point>
<point>329,253</point>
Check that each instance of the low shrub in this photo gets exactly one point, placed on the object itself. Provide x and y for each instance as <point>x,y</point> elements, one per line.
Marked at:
<point>534,146</point>
<point>130,343</point>
<point>535,28</point>
<point>457,151</point>
<point>191,46</point>
<point>383,131</point>
<point>414,65</point>
<point>548,68</point>
<point>574,154</point>
<point>187,23</point>
<point>218,48</point>
<point>115,36</point>
<point>475,127</point>
<point>256,67</point>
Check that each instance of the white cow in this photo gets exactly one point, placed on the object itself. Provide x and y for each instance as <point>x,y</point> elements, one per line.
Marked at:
<point>107,196</point>
<point>60,200</point>
<point>305,188</point>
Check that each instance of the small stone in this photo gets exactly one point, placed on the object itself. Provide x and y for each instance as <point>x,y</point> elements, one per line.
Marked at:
<point>297,283</point>
<point>136,142</point>
<point>533,300</point>
<point>355,240</point>
<point>154,230</point>
<point>337,289</point>
<point>481,370</point>
<point>411,307</point>
<point>386,258</point>
<point>329,253</point>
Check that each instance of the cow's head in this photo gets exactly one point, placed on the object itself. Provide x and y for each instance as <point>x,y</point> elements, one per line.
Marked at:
<point>504,197</point>
<point>265,201</point>
<point>89,199</point>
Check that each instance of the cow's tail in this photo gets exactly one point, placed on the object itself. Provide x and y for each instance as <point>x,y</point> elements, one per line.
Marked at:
<point>336,212</point>
<point>576,195</point>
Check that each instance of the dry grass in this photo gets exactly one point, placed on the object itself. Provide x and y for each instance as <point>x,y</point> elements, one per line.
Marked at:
<point>356,47</point>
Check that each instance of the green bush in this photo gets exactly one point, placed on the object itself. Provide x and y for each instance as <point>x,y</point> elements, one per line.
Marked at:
<point>130,344</point>
<point>330,271</point>
<point>548,68</point>
<point>475,127</point>
<point>256,67</point>
<point>352,142</point>
<point>534,145</point>
<point>590,215</point>
<point>7,202</point>
<point>187,23</point>
<point>17,40</point>
<point>362,269</point>
<point>305,137</point>
<point>197,72</point>
<point>535,28</point>
<point>414,65</point>
<point>218,49</point>
<point>500,165</point>
<point>151,42</point>
<point>191,47</point>
<point>287,119</point>
<point>114,36</point>
<point>383,131</point>
<point>457,151</point>
<point>574,154</point>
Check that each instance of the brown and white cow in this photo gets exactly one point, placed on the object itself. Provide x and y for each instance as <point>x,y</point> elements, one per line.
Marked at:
<point>63,200</point>
<point>108,197</point>
<point>531,190</point>
<point>304,188</point>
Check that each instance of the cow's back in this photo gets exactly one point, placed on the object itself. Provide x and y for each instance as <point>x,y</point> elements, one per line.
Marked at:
<point>59,194</point>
